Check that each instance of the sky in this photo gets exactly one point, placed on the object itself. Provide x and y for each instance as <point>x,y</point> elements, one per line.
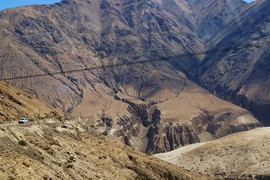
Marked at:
<point>15,3</point>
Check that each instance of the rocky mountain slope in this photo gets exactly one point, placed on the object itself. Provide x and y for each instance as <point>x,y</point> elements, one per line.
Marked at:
<point>242,75</point>
<point>183,120</point>
<point>72,152</point>
<point>74,39</point>
<point>211,17</point>
<point>242,155</point>
<point>152,106</point>
<point>15,103</point>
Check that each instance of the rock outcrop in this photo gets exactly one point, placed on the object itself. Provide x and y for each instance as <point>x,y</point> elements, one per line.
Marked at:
<point>157,127</point>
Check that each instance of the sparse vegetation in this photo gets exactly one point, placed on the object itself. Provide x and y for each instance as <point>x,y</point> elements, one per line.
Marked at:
<point>84,157</point>
<point>69,166</point>
<point>13,106</point>
<point>25,164</point>
<point>22,143</point>
<point>105,120</point>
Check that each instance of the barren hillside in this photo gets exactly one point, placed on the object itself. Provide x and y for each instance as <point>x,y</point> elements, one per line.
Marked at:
<point>151,106</point>
<point>15,103</point>
<point>71,152</point>
<point>242,155</point>
<point>242,75</point>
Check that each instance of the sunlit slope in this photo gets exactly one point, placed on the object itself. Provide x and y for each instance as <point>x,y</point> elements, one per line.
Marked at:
<point>242,155</point>
<point>15,103</point>
<point>152,106</point>
<point>70,152</point>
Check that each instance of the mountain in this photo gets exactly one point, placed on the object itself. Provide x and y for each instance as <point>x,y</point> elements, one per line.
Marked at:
<point>206,18</point>
<point>241,74</point>
<point>15,103</point>
<point>242,155</point>
<point>151,106</point>
<point>211,17</point>
<point>70,151</point>
<point>61,40</point>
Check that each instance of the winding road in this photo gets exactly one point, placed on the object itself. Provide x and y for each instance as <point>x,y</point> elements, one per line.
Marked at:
<point>47,121</point>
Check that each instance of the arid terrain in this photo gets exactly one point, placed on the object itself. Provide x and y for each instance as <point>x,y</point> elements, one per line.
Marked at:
<point>50,148</point>
<point>56,151</point>
<point>154,106</point>
<point>157,75</point>
<point>242,76</point>
<point>242,155</point>
<point>15,104</point>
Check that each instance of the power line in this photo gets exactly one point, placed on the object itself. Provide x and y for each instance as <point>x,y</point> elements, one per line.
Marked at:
<point>130,63</point>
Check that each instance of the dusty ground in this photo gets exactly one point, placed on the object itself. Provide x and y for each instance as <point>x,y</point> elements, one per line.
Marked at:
<point>15,103</point>
<point>71,152</point>
<point>243,155</point>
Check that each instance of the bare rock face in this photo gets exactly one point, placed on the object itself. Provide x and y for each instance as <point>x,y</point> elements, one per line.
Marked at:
<point>78,34</point>
<point>211,17</point>
<point>164,126</point>
<point>167,137</point>
<point>152,106</point>
<point>241,75</point>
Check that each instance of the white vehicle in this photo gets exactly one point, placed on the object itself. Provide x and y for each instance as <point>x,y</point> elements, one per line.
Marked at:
<point>23,121</point>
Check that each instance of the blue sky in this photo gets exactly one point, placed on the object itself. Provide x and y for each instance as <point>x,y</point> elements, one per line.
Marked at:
<point>14,3</point>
